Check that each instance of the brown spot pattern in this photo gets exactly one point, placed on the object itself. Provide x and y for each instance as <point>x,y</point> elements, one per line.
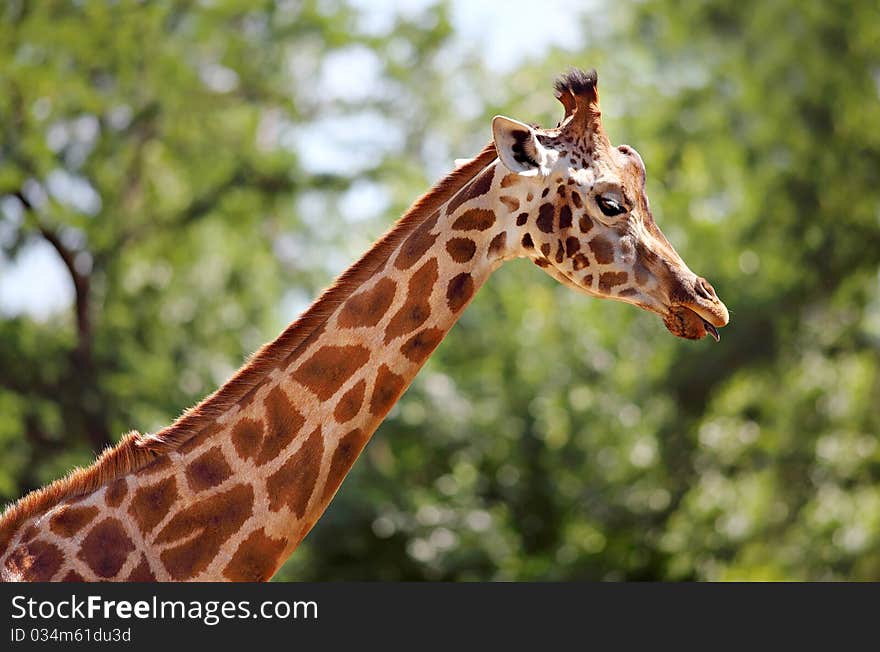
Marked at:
<point>142,572</point>
<point>67,521</point>
<point>422,344</point>
<point>476,188</point>
<point>579,261</point>
<point>105,548</point>
<point>245,401</point>
<point>609,280</point>
<point>461,250</point>
<point>73,576</point>
<point>576,199</point>
<point>387,388</point>
<point>512,203</point>
<point>350,403</point>
<point>293,483</point>
<point>208,470</point>
<point>205,526</point>
<point>150,505</point>
<point>565,217</point>
<point>459,291</point>
<point>44,560</point>
<point>560,252</point>
<point>602,250</point>
<point>418,242</point>
<point>283,421</point>
<point>116,492</point>
<point>498,243</point>
<point>522,218</point>
<point>256,559</point>
<point>368,307</point>
<point>545,218</point>
<point>478,219</point>
<point>572,246</point>
<point>347,451</point>
<point>416,310</point>
<point>527,242</point>
<point>328,369</point>
<point>246,437</point>
<point>585,224</point>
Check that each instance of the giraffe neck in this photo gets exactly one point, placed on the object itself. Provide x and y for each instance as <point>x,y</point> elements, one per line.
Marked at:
<point>233,501</point>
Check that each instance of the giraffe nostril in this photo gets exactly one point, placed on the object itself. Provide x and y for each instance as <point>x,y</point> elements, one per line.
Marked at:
<point>705,289</point>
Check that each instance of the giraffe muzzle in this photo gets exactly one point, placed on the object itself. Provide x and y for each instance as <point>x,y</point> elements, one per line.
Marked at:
<point>697,312</point>
<point>689,324</point>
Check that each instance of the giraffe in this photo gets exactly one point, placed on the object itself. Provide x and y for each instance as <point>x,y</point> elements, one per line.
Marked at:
<point>228,491</point>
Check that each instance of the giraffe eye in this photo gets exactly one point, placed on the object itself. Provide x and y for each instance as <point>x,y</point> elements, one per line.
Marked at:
<point>610,206</point>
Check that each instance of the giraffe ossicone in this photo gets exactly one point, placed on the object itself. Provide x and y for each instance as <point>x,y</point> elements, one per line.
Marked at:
<point>229,490</point>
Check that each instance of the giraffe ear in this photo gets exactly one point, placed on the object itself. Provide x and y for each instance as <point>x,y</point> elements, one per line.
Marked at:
<point>518,147</point>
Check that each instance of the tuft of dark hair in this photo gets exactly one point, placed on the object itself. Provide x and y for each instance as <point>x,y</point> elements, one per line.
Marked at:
<point>577,82</point>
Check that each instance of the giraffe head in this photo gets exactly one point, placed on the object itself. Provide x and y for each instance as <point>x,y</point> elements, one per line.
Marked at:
<point>592,228</point>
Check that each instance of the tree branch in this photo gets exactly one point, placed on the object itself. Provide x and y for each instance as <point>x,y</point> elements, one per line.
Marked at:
<point>204,204</point>
<point>83,370</point>
<point>81,285</point>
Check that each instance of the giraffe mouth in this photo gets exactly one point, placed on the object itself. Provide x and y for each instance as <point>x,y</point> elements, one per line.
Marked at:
<point>689,324</point>
<point>710,328</point>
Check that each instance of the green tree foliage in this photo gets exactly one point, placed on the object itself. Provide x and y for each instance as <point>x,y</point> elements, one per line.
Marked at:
<point>141,143</point>
<point>157,148</point>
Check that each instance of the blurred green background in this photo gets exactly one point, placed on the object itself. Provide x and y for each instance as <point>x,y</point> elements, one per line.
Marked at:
<point>179,179</point>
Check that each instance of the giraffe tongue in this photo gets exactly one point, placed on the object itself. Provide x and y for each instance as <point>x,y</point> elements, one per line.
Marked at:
<point>711,330</point>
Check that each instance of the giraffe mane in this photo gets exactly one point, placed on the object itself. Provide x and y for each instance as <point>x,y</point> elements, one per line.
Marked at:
<point>135,450</point>
<point>577,82</point>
